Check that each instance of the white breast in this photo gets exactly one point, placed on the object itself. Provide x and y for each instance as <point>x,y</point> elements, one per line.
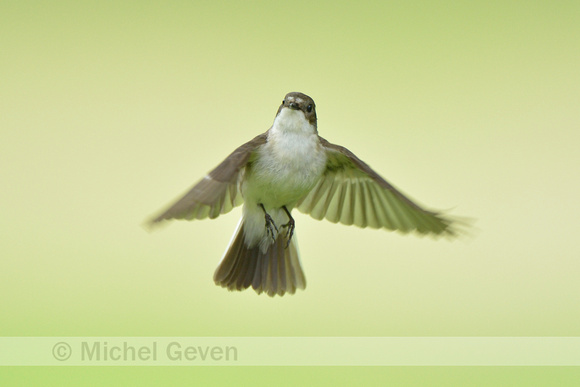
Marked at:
<point>288,165</point>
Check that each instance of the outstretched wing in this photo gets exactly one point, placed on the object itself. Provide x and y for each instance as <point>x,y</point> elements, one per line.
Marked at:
<point>350,192</point>
<point>217,193</point>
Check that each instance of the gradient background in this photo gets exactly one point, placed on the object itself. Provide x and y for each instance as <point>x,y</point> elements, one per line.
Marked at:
<point>110,110</point>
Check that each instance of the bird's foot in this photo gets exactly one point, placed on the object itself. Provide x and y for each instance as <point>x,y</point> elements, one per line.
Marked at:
<point>289,231</point>
<point>271,228</point>
<point>290,227</point>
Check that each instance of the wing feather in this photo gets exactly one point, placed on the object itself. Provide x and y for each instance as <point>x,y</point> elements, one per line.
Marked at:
<point>218,192</point>
<point>370,210</point>
<point>350,192</point>
<point>318,199</point>
<point>347,216</point>
<point>336,201</point>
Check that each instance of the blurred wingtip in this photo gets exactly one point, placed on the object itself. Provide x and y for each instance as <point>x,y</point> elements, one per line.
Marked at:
<point>152,224</point>
<point>460,228</point>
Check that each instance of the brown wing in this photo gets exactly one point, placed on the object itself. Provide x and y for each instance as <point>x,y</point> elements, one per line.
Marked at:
<point>350,192</point>
<point>217,193</point>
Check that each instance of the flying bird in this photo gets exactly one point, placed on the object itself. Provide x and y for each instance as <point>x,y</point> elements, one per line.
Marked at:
<point>291,166</point>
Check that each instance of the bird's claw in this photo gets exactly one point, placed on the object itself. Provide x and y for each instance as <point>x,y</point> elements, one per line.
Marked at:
<point>290,231</point>
<point>290,226</point>
<point>271,227</point>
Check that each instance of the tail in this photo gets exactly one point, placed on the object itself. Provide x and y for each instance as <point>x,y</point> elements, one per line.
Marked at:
<point>275,271</point>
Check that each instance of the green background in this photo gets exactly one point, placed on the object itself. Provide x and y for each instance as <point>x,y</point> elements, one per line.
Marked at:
<point>110,110</point>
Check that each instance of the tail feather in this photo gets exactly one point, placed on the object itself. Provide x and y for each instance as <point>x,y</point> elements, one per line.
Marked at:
<point>275,271</point>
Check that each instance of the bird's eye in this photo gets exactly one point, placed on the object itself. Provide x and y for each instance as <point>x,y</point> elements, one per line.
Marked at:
<point>309,108</point>
<point>283,101</point>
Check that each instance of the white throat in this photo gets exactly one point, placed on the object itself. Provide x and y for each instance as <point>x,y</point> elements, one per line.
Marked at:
<point>292,121</point>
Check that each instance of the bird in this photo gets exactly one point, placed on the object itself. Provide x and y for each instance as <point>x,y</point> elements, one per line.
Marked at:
<point>290,166</point>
